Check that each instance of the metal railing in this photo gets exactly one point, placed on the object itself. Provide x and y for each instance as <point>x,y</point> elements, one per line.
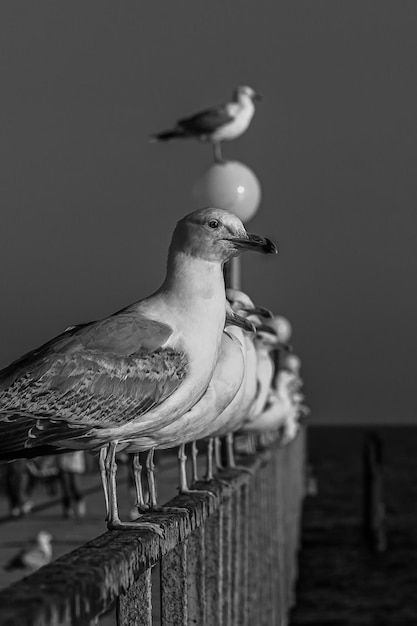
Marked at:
<point>228,561</point>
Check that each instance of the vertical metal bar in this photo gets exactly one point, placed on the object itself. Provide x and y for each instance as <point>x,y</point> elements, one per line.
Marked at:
<point>226,514</point>
<point>196,578</point>
<point>232,273</point>
<point>134,608</point>
<point>174,587</point>
<point>214,569</point>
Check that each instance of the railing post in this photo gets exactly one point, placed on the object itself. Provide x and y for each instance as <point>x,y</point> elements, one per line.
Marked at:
<point>281,505</point>
<point>227,595</point>
<point>374,507</point>
<point>134,608</point>
<point>237,555</point>
<point>174,586</point>
<point>214,569</point>
<point>255,572</point>
<point>197,578</point>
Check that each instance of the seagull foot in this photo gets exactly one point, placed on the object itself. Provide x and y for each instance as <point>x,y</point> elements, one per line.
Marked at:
<point>217,480</point>
<point>169,509</point>
<point>118,525</point>
<point>243,468</point>
<point>205,492</point>
<point>143,508</point>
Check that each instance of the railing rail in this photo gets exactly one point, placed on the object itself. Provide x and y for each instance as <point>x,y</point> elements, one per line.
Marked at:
<point>229,561</point>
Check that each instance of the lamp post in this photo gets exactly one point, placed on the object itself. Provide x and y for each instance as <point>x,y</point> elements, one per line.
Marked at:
<point>232,186</point>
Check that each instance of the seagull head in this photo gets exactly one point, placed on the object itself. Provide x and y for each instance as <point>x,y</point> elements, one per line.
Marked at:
<point>241,303</point>
<point>233,319</point>
<point>216,235</point>
<point>292,363</point>
<point>245,93</point>
<point>44,538</point>
<point>282,327</point>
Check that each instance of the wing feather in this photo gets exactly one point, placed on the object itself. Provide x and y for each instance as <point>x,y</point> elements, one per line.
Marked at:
<point>97,375</point>
<point>207,121</point>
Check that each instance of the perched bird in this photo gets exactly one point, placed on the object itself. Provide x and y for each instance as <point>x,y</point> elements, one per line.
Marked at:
<point>219,123</point>
<point>231,419</point>
<point>194,424</point>
<point>279,405</point>
<point>38,554</point>
<point>110,381</point>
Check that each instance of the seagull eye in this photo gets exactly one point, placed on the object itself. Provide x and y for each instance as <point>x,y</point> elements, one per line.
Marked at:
<point>213,223</point>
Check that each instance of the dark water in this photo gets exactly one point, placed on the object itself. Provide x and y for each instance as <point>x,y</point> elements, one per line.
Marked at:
<point>341,580</point>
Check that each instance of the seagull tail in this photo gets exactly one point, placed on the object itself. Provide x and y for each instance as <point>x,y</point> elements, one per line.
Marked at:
<point>167,135</point>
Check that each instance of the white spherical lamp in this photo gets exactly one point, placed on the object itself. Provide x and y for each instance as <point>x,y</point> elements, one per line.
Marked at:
<point>230,185</point>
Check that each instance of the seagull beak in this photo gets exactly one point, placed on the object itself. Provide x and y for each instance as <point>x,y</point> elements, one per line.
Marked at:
<point>287,347</point>
<point>263,328</point>
<point>240,322</point>
<point>257,97</point>
<point>259,310</point>
<point>255,243</point>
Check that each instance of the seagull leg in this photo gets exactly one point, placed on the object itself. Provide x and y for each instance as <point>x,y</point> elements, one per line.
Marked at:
<point>182,458</point>
<point>183,486</point>
<point>153,503</point>
<point>231,456</point>
<point>217,453</point>
<point>209,466</point>
<point>194,455</point>
<point>217,151</point>
<point>150,470</point>
<point>251,445</point>
<point>137,475</point>
<point>114,522</point>
<point>104,477</point>
<point>230,451</point>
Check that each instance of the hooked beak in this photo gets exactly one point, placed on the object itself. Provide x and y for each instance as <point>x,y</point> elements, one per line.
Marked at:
<point>255,243</point>
<point>263,328</point>
<point>287,347</point>
<point>257,97</point>
<point>259,310</point>
<point>240,322</point>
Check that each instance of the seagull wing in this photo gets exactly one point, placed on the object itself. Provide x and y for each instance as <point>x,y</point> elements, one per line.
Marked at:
<point>206,122</point>
<point>102,374</point>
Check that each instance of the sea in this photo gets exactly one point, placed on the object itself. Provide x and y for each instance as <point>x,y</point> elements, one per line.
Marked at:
<point>344,577</point>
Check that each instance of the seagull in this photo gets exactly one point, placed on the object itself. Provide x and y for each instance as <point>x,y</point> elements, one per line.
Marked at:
<point>278,407</point>
<point>194,424</point>
<point>231,419</point>
<point>34,556</point>
<point>109,381</point>
<point>220,123</point>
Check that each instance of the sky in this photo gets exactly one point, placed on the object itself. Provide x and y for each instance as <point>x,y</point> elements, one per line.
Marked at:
<point>88,204</point>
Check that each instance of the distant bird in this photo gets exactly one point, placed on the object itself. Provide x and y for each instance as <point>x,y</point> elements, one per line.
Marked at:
<point>38,554</point>
<point>109,381</point>
<point>279,405</point>
<point>292,363</point>
<point>219,123</point>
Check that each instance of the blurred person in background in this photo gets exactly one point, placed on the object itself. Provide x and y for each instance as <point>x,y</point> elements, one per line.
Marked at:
<point>72,466</point>
<point>17,488</point>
